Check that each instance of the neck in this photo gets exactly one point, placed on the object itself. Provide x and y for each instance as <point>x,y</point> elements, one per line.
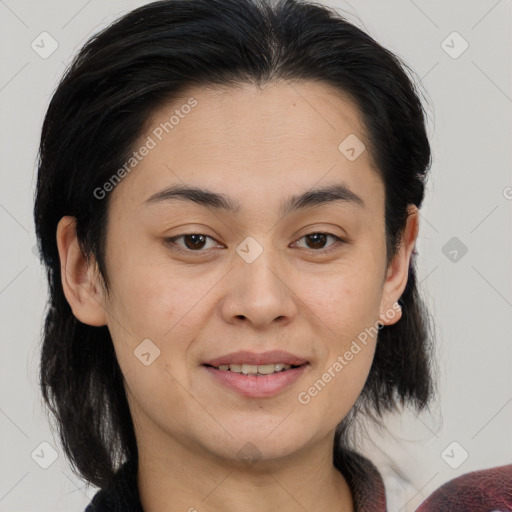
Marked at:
<point>175,477</point>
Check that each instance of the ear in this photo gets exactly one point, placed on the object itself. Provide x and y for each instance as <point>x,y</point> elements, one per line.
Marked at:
<point>80,280</point>
<point>398,271</point>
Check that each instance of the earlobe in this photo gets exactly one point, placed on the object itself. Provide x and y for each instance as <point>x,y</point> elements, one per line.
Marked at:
<point>78,277</point>
<point>390,316</point>
<point>398,271</point>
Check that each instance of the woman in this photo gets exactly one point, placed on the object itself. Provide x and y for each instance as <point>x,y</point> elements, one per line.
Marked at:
<point>227,208</point>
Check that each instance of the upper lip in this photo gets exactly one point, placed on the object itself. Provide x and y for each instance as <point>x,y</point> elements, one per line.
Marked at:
<point>247,357</point>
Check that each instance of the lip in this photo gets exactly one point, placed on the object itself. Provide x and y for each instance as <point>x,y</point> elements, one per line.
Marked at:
<point>247,357</point>
<point>257,387</point>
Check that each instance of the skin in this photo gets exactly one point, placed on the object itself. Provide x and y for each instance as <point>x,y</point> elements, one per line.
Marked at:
<point>257,146</point>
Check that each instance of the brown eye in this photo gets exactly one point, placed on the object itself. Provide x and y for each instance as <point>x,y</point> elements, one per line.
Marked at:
<point>193,242</point>
<point>317,241</point>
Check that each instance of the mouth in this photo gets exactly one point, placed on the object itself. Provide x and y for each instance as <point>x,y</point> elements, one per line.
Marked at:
<point>256,370</point>
<point>256,381</point>
<point>249,358</point>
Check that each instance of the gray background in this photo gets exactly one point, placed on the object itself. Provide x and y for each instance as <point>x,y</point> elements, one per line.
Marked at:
<point>468,204</point>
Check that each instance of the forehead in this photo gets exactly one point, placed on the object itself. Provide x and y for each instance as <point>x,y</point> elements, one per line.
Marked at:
<point>253,144</point>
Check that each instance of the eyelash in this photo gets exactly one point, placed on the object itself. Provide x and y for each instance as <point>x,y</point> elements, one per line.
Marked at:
<point>338,241</point>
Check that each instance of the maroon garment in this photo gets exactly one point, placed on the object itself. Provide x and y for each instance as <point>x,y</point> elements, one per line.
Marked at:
<point>364,480</point>
<point>486,490</point>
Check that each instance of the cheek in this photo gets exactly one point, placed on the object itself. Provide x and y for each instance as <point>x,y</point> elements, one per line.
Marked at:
<point>151,333</point>
<point>347,301</point>
<point>146,298</point>
<point>168,309</point>
<point>345,308</point>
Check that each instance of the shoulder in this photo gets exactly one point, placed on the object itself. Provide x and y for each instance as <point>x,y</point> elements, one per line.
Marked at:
<point>364,480</point>
<point>479,491</point>
<point>99,502</point>
<point>121,495</point>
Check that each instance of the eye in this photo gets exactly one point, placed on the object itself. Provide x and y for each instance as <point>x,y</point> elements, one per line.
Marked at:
<point>318,239</point>
<point>194,242</point>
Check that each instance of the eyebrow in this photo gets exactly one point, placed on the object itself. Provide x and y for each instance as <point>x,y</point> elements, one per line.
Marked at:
<point>339,193</point>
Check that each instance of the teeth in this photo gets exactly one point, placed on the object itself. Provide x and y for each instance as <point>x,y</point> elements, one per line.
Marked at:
<point>252,369</point>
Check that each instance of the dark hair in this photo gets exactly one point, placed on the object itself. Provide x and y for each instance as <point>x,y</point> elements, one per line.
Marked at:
<point>120,77</point>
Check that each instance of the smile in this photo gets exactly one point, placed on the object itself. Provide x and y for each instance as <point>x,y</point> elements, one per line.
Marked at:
<point>253,369</point>
<point>256,381</point>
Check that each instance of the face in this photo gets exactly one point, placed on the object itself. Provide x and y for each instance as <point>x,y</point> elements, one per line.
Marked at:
<point>193,280</point>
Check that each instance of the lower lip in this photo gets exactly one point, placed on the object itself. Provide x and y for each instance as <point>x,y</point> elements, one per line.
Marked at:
<point>254,386</point>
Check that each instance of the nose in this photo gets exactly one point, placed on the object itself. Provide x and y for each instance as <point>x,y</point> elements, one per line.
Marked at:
<point>260,293</point>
